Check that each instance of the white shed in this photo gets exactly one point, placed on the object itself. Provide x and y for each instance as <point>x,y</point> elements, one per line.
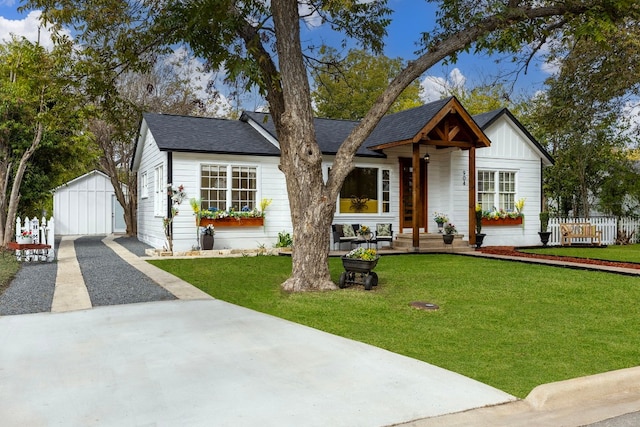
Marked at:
<point>87,205</point>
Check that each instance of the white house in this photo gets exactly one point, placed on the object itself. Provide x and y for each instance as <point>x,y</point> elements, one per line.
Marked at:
<point>459,160</point>
<point>87,205</point>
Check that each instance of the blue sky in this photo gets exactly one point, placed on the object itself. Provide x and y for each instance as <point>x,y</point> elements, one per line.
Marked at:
<point>409,19</point>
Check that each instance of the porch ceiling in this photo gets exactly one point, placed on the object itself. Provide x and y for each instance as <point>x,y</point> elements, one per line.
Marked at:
<point>452,126</point>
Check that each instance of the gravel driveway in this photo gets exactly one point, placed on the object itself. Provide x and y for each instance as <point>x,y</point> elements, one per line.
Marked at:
<point>109,279</point>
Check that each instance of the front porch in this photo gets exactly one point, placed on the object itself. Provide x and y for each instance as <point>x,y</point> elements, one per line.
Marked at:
<point>429,243</point>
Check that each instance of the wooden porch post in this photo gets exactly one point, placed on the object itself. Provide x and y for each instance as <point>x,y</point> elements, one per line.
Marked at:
<point>417,206</point>
<point>472,196</point>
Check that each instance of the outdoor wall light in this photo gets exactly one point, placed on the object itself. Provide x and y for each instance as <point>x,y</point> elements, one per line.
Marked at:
<point>426,158</point>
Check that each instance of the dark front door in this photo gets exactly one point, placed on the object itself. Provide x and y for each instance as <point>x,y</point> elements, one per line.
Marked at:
<point>406,193</point>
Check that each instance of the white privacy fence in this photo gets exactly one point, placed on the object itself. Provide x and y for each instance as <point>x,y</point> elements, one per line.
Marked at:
<point>42,232</point>
<point>609,227</point>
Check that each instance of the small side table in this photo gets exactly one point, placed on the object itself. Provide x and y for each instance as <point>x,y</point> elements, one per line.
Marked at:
<point>361,241</point>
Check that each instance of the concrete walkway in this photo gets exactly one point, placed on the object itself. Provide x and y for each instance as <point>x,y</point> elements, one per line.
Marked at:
<point>198,361</point>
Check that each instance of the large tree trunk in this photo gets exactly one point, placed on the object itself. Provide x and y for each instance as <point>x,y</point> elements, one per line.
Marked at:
<point>5,170</point>
<point>301,160</point>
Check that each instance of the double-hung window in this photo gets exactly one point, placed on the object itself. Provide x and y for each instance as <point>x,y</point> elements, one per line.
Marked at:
<point>497,190</point>
<point>144,185</point>
<point>226,187</point>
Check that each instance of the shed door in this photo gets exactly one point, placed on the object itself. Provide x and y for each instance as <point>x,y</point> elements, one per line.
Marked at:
<point>119,226</point>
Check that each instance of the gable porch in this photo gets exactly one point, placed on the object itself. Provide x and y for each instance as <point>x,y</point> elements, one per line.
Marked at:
<point>423,155</point>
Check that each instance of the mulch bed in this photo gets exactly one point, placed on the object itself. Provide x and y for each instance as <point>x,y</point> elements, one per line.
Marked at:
<point>513,251</point>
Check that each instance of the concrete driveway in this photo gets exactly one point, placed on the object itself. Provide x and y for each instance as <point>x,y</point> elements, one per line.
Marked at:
<point>210,363</point>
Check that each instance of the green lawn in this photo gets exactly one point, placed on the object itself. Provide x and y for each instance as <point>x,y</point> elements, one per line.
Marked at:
<point>9,266</point>
<point>510,325</point>
<point>628,253</point>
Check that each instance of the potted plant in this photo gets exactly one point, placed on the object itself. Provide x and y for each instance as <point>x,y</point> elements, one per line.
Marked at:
<point>449,233</point>
<point>25,238</point>
<point>285,241</point>
<point>364,232</point>
<point>207,237</point>
<point>544,225</point>
<point>440,219</point>
<point>358,265</point>
<point>479,234</point>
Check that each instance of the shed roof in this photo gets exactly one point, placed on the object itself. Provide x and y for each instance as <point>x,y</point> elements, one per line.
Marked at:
<point>80,178</point>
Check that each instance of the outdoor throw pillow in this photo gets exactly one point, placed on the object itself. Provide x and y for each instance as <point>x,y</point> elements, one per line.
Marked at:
<point>347,230</point>
<point>383,229</point>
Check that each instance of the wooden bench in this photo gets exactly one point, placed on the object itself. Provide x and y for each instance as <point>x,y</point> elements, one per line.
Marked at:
<point>31,251</point>
<point>579,230</point>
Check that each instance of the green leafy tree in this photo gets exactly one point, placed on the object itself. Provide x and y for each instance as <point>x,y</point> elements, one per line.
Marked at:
<point>347,88</point>
<point>261,41</point>
<point>38,107</point>
<point>581,119</point>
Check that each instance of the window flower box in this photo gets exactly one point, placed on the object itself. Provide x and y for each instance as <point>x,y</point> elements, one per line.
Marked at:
<point>501,221</point>
<point>233,222</point>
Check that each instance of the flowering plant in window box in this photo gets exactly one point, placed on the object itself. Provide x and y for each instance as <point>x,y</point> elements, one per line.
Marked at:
<point>503,217</point>
<point>245,217</point>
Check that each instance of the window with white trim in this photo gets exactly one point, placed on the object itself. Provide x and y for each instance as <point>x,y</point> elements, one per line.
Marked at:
<point>218,192</point>
<point>159,192</point>
<point>497,190</point>
<point>386,191</point>
<point>144,185</point>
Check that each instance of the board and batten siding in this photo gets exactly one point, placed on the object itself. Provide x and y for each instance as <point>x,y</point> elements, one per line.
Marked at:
<point>511,150</point>
<point>83,206</point>
<point>150,227</point>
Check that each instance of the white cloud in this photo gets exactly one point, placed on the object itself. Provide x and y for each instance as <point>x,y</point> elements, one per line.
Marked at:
<point>434,88</point>
<point>311,18</point>
<point>631,111</point>
<point>30,27</point>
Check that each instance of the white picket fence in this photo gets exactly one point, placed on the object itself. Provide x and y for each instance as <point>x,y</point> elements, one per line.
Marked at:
<point>42,231</point>
<point>608,225</point>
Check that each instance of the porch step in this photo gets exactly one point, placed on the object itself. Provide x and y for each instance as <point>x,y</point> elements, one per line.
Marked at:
<point>432,243</point>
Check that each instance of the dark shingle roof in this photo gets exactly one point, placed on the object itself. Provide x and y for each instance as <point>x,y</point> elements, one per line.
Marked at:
<point>330,133</point>
<point>393,127</point>
<point>485,119</point>
<point>404,125</point>
<point>207,135</point>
